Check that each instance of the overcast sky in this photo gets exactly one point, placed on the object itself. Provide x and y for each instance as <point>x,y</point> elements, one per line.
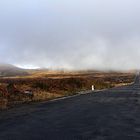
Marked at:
<point>74,34</point>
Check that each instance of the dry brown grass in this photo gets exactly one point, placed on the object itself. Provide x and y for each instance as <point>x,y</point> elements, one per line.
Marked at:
<point>43,95</point>
<point>54,85</point>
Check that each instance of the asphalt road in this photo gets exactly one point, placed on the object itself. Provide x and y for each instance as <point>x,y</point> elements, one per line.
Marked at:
<point>106,115</point>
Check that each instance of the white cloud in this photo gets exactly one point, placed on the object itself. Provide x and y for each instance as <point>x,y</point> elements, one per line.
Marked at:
<point>76,34</point>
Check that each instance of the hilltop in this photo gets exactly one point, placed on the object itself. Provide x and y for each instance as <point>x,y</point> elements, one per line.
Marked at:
<point>8,70</point>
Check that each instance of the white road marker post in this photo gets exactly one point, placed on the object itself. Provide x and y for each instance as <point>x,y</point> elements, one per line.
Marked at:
<point>93,88</point>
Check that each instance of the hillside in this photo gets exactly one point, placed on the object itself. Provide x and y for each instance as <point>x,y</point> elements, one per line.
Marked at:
<point>8,70</point>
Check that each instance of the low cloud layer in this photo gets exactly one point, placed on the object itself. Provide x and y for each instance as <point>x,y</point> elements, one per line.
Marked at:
<point>76,34</point>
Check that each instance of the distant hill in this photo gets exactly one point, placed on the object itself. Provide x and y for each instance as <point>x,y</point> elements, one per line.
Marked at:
<point>8,70</point>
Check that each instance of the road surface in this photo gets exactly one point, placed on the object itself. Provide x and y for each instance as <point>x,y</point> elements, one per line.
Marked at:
<point>106,115</point>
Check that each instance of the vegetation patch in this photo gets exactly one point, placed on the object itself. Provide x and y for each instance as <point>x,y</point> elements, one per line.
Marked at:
<point>23,90</point>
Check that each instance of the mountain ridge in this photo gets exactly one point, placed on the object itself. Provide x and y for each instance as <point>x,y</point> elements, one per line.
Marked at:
<point>9,70</point>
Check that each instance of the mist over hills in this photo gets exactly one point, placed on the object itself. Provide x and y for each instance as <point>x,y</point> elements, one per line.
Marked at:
<point>7,70</point>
